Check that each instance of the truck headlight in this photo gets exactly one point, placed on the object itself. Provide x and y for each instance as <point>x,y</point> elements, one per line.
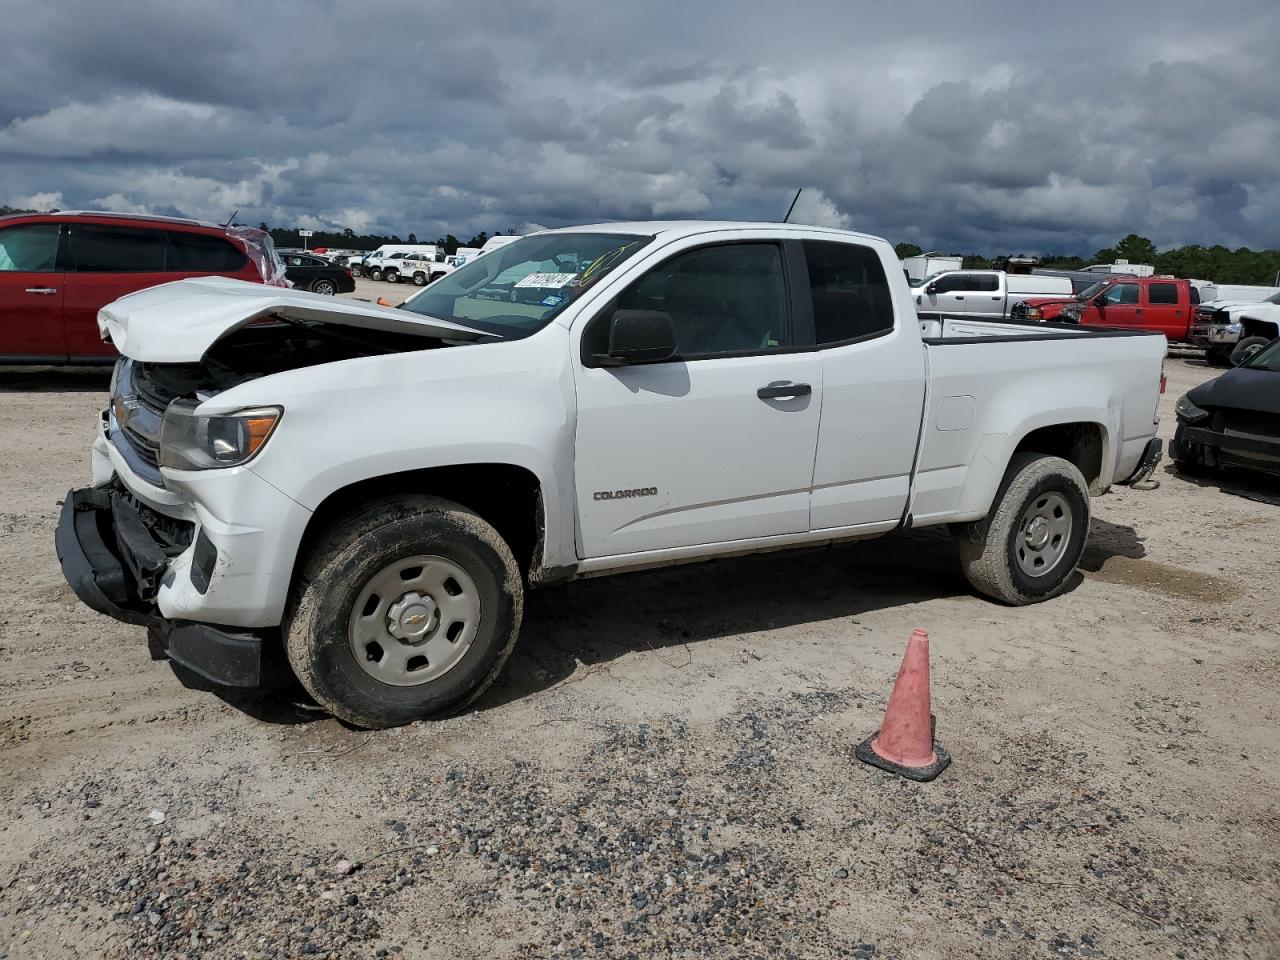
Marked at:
<point>189,441</point>
<point>1034,313</point>
<point>1235,327</point>
<point>1186,410</point>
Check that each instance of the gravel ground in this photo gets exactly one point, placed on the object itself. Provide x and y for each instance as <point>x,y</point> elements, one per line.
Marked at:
<point>665,767</point>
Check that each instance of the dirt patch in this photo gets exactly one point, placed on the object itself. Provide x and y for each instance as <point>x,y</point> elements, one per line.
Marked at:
<point>1163,578</point>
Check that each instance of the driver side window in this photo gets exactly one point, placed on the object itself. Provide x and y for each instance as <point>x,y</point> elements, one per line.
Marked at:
<point>1122,294</point>
<point>730,298</point>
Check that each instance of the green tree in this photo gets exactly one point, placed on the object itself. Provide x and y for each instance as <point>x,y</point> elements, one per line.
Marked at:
<point>1136,249</point>
<point>413,238</point>
<point>904,250</point>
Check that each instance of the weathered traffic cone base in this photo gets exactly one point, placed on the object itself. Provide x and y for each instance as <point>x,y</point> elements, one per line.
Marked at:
<point>866,754</point>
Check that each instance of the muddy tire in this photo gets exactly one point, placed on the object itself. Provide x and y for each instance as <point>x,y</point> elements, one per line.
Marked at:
<point>1247,347</point>
<point>1027,547</point>
<point>405,610</point>
<point>1219,356</point>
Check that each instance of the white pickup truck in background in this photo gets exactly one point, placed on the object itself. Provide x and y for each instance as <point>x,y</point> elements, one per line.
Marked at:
<point>984,293</point>
<point>374,488</point>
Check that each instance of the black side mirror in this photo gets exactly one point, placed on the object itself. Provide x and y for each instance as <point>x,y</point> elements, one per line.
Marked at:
<point>639,336</point>
<point>931,288</point>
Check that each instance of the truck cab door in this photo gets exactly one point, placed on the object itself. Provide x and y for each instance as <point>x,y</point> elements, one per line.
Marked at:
<point>873,384</point>
<point>984,296</point>
<point>947,293</point>
<point>1166,308</point>
<point>31,293</point>
<point>1120,306</point>
<point>715,443</point>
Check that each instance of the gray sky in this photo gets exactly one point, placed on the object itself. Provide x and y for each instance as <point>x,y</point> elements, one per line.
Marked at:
<point>995,127</point>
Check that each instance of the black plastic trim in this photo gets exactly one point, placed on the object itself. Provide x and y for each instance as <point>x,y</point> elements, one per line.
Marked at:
<point>91,568</point>
<point>225,657</point>
<point>203,558</point>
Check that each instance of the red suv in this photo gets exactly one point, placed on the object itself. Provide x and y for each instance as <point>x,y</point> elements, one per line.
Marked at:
<point>58,269</point>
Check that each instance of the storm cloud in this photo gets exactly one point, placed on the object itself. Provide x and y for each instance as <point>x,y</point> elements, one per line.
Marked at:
<point>987,127</point>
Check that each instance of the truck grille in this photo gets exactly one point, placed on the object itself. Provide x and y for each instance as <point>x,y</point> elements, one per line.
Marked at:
<point>1248,423</point>
<point>134,426</point>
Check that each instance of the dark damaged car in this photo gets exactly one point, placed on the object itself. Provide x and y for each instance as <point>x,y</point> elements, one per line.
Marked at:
<point>1233,421</point>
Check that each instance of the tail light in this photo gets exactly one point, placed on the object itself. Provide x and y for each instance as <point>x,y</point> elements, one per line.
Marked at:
<point>347,271</point>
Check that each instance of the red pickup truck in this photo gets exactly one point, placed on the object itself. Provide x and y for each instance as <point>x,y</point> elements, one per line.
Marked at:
<point>57,270</point>
<point>1140,303</point>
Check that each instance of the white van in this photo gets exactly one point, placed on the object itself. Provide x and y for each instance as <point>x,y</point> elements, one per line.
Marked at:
<point>984,293</point>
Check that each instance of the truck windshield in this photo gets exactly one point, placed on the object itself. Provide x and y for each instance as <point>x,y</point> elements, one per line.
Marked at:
<point>1091,291</point>
<point>518,288</point>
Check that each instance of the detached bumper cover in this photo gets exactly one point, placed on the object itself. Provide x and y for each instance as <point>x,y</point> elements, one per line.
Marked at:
<point>1147,464</point>
<point>114,565</point>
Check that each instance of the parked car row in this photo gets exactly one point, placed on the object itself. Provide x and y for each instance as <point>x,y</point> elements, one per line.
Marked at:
<point>316,274</point>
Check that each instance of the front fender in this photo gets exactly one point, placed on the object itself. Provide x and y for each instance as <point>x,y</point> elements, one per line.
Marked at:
<point>358,420</point>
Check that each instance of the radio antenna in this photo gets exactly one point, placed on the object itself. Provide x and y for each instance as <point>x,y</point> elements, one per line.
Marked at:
<point>231,218</point>
<point>793,205</point>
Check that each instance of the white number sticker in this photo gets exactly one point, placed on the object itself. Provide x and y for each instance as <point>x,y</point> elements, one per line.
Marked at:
<point>548,281</point>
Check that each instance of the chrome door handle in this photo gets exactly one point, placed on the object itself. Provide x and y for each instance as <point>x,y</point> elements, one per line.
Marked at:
<point>959,298</point>
<point>42,291</point>
<point>784,391</point>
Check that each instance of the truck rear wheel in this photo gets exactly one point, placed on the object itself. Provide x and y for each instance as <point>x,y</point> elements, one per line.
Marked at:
<point>405,610</point>
<point>1024,550</point>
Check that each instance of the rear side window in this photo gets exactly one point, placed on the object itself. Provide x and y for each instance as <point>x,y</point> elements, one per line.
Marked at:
<point>983,282</point>
<point>1162,293</point>
<point>850,293</point>
<point>29,248</point>
<point>94,248</point>
<point>202,253</point>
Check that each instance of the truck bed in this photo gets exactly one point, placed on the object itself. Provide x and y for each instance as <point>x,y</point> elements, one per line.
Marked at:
<point>1008,379</point>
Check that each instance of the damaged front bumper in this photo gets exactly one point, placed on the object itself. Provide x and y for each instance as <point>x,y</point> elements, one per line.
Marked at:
<point>115,555</point>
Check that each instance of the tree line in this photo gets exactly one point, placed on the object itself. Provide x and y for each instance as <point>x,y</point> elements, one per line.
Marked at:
<point>1192,262</point>
<point>348,239</point>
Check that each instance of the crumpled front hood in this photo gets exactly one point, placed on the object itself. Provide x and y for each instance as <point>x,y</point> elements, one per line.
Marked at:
<point>1231,306</point>
<point>178,322</point>
<point>1240,389</point>
<point>1047,301</point>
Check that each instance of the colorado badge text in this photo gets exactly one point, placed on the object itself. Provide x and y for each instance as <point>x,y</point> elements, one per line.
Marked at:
<point>625,494</point>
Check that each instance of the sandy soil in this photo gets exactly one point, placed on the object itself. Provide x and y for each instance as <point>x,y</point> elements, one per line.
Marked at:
<point>664,768</point>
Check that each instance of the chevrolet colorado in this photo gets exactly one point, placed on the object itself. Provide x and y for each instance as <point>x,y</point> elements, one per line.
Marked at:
<point>374,489</point>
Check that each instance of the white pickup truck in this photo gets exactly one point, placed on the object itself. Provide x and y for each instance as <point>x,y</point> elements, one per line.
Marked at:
<point>984,293</point>
<point>374,489</point>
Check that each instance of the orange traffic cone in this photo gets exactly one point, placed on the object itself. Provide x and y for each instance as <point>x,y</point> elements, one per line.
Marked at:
<point>905,743</point>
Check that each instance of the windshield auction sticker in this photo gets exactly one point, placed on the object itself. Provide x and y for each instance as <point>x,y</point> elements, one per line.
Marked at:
<point>548,281</point>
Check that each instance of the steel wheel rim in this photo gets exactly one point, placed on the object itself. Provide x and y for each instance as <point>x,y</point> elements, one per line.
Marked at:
<point>1043,534</point>
<point>414,620</point>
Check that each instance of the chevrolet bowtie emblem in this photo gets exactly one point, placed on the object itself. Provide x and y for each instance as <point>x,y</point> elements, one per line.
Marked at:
<point>414,619</point>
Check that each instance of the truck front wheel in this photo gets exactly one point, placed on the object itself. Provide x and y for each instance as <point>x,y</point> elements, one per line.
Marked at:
<point>405,610</point>
<point>1219,355</point>
<point>1247,347</point>
<point>1024,550</point>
